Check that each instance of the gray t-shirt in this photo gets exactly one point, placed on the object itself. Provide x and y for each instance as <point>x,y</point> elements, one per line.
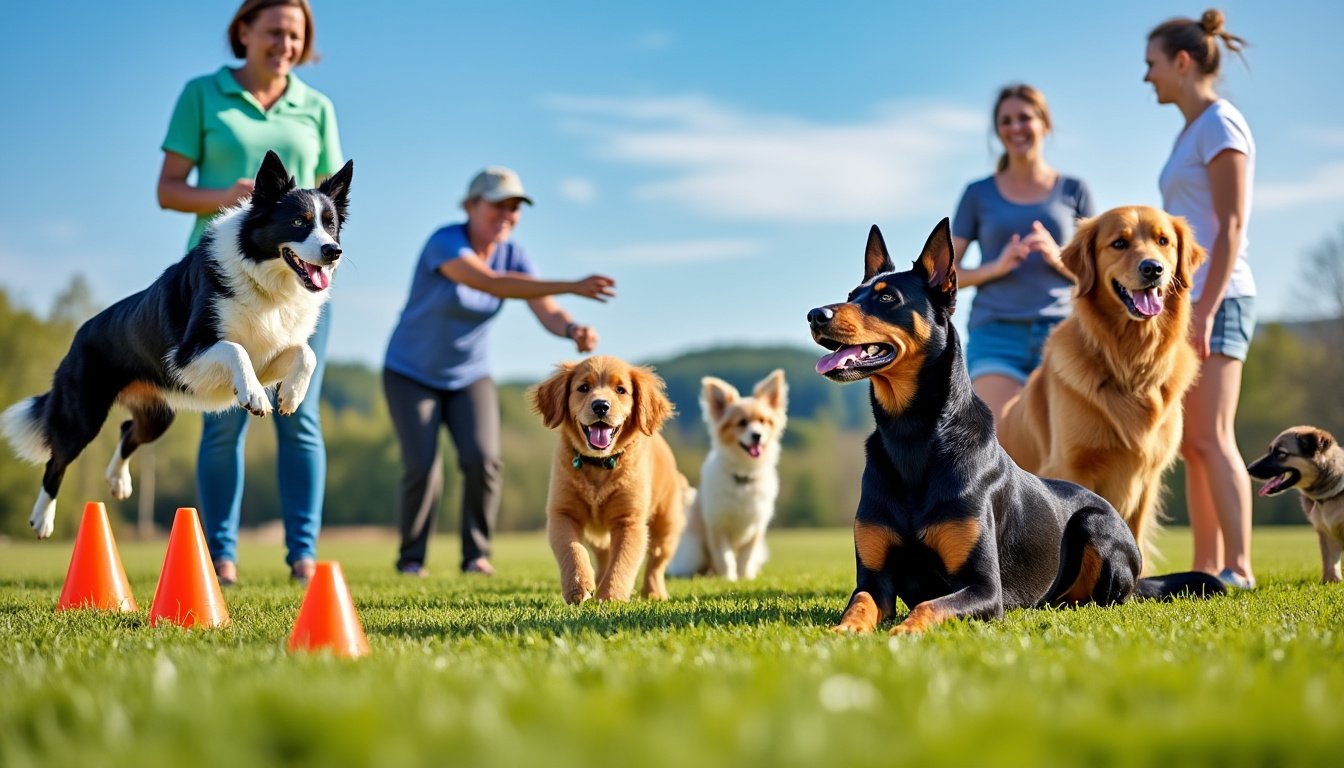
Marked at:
<point>441,340</point>
<point>1035,290</point>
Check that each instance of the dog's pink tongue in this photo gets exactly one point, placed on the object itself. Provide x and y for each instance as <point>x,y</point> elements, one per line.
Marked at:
<point>838,359</point>
<point>1267,488</point>
<point>754,451</point>
<point>599,436</point>
<point>1148,302</point>
<point>320,276</point>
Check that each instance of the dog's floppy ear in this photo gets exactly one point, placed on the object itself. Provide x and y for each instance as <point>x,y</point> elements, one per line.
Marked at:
<point>652,407</point>
<point>273,181</point>
<point>1314,442</point>
<point>1080,256</point>
<point>338,188</point>
<point>1189,253</point>
<point>715,397</point>
<point>938,265</point>
<point>550,398</point>
<point>876,260</point>
<point>773,390</point>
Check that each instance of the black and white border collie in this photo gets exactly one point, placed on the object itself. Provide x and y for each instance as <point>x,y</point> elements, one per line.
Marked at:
<point>215,330</point>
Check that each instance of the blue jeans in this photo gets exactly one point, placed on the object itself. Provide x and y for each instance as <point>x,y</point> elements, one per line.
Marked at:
<point>301,456</point>
<point>1007,348</point>
<point>1233,327</point>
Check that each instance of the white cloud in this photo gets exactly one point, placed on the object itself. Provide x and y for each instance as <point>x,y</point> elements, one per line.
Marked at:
<point>582,191</point>
<point>684,252</point>
<point>728,164</point>
<point>1326,185</point>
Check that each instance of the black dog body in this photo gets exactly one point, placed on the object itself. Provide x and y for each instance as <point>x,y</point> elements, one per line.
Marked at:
<point>946,521</point>
<point>214,330</point>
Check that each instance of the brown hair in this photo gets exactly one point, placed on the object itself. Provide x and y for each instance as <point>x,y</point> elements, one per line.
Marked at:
<point>247,13</point>
<point>1199,39</point>
<point>1026,93</point>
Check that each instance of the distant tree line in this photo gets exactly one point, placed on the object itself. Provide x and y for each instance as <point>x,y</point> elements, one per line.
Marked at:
<point>1292,377</point>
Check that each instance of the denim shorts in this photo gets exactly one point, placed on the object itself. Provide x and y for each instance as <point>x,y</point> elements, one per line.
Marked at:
<point>1007,348</point>
<point>1233,327</point>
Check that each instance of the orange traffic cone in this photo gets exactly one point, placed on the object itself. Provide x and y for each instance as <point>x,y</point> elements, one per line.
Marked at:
<point>188,592</point>
<point>327,618</point>
<point>95,578</point>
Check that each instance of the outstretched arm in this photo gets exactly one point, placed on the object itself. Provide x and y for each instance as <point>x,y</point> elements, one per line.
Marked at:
<point>556,320</point>
<point>472,271</point>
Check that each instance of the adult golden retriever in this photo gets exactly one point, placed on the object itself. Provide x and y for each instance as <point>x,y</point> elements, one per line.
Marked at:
<point>614,481</point>
<point>1104,408</point>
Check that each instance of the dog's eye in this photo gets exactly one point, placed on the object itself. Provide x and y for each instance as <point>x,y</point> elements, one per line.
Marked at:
<point>620,390</point>
<point>1162,240</point>
<point>885,298</point>
<point>1120,244</point>
<point>1279,453</point>
<point>742,423</point>
<point>297,222</point>
<point>583,387</point>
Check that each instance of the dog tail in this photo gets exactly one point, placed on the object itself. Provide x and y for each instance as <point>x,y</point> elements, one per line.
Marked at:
<point>1185,584</point>
<point>22,424</point>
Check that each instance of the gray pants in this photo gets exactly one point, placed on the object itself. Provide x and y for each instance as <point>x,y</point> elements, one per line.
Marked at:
<point>472,418</point>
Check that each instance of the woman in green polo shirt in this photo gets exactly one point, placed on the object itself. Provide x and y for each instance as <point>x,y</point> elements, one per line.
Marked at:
<point>222,126</point>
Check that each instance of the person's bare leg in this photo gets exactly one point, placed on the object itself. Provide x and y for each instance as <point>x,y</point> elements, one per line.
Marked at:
<point>1210,439</point>
<point>996,390</point>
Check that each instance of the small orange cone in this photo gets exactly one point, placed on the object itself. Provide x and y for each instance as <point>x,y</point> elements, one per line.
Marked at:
<point>327,618</point>
<point>188,592</point>
<point>95,578</point>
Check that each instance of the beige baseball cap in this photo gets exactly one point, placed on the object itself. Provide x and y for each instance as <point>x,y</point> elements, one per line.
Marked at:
<point>496,183</point>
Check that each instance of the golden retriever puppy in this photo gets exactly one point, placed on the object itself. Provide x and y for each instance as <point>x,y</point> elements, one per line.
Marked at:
<point>1104,408</point>
<point>615,488</point>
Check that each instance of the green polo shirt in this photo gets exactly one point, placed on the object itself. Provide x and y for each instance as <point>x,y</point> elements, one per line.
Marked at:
<point>222,128</point>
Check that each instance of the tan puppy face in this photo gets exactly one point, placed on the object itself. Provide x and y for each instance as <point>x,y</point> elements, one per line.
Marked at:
<point>750,425</point>
<point>602,403</point>
<point>1136,258</point>
<point>1293,460</point>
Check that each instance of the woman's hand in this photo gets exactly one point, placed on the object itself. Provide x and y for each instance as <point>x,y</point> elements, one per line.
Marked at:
<point>241,190</point>
<point>1201,330</point>
<point>1011,257</point>
<point>584,337</point>
<point>1041,241</point>
<point>596,287</point>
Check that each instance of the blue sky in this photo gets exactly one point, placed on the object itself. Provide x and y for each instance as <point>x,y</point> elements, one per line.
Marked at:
<point>722,161</point>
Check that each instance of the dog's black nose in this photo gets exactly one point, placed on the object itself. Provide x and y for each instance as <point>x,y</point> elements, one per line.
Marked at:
<point>820,315</point>
<point>1151,269</point>
<point>600,407</point>
<point>754,438</point>
<point>331,252</point>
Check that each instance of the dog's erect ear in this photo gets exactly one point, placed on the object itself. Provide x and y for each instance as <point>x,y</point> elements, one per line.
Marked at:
<point>773,390</point>
<point>273,181</point>
<point>652,407</point>
<point>1080,256</point>
<point>1189,253</point>
<point>338,187</point>
<point>876,260</point>
<point>550,398</point>
<point>938,264</point>
<point>715,397</point>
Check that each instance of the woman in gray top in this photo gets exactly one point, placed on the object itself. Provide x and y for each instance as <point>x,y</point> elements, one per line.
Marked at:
<point>1019,216</point>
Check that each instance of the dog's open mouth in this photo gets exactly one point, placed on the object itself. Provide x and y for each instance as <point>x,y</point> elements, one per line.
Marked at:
<point>850,362</point>
<point>313,277</point>
<point>600,435</point>
<point>754,450</point>
<point>1280,483</point>
<point>1143,303</point>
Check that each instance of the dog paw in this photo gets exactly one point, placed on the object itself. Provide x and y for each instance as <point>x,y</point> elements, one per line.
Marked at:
<point>43,520</point>
<point>907,628</point>
<point>119,484</point>
<point>289,398</point>
<point>254,400</point>
<point>576,596</point>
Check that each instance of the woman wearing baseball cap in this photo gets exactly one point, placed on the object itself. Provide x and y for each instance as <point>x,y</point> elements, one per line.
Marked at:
<point>436,372</point>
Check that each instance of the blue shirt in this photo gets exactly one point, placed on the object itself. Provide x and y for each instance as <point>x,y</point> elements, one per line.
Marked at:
<point>441,339</point>
<point>1035,290</point>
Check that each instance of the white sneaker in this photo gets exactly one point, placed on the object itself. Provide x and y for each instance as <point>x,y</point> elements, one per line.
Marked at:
<point>1235,580</point>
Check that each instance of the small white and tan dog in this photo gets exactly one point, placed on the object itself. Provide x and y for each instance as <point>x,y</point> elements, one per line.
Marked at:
<point>739,482</point>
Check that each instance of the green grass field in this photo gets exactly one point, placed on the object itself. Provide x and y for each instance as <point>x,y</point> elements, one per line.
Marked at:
<point>475,671</point>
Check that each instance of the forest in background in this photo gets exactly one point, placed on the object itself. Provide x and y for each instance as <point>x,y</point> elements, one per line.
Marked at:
<point>1292,377</point>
